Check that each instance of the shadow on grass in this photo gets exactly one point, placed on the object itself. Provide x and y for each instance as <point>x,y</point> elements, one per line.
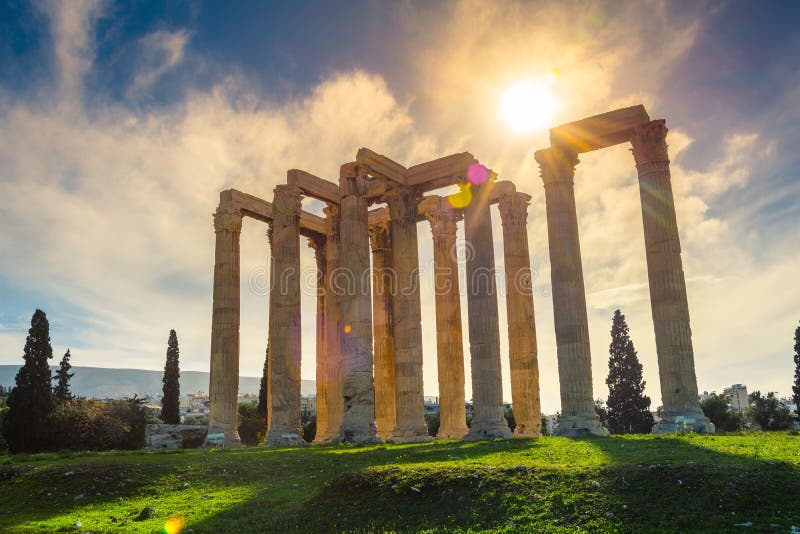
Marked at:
<point>665,484</point>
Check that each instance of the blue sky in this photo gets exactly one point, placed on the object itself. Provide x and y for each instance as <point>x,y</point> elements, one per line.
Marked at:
<point>122,121</point>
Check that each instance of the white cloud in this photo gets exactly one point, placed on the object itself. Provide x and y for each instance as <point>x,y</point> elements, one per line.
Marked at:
<point>160,52</point>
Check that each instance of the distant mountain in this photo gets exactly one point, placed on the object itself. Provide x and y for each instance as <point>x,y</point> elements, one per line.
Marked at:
<point>99,382</point>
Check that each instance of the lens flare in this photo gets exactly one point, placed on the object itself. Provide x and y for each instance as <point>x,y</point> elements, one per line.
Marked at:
<point>528,106</point>
<point>477,173</point>
<point>174,525</point>
<point>347,328</point>
<point>463,198</point>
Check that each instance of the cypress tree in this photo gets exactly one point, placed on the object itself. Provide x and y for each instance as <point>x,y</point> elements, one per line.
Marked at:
<point>170,402</point>
<point>796,387</point>
<point>261,409</point>
<point>61,390</point>
<point>31,401</point>
<point>628,406</point>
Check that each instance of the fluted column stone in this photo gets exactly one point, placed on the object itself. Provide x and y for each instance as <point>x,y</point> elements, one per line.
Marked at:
<point>522,350</point>
<point>488,420</point>
<point>330,428</point>
<point>284,320</point>
<point>406,318</point>
<point>382,288</point>
<point>358,422</point>
<point>668,299</point>
<point>318,244</point>
<point>224,376</point>
<point>578,416</point>
<point>449,342</point>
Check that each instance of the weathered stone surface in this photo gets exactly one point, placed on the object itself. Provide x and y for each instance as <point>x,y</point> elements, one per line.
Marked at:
<point>449,343</point>
<point>406,318</point>
<point>484,331</point>
<point>578,416</point>
<point>522,350</point>
<point>382,288</point>
<point>166,437</point>
<point>358,421</point>
<point>330,428</point>
<point>283,394</point>
<point>224,376</point>
<point>668,299</point>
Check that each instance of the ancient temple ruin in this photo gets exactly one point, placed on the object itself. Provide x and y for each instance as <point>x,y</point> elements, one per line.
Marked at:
<point>368,329</point>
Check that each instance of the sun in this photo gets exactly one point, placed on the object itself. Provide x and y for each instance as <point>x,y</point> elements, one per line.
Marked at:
<point>528,106</point>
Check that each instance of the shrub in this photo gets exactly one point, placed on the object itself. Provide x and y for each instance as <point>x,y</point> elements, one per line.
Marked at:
<point>82,424</point>
<point>716,408</point>
<point>252,429</point>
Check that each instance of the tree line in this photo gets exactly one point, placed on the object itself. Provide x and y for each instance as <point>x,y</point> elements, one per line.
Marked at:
<point>40,413</point>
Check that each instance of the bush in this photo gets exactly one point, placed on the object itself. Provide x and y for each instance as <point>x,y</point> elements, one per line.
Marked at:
<point>309,428</point>
<point>3,442</point>
<point>432,422</point>
<point>716,408</point>
<point>769,412</point>
<point>82,424</point>
<point>252,428</point>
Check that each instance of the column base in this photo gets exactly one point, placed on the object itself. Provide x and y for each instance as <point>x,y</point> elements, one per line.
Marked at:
<point>214,438</point>
<point>280,438</point>
<point>523,434</point>
<point>489,430</point>
<point>453,433</point>
<point>417,434</point>
<point>577,426</point>
<point>679,420</point>
<point>326,439</point>
<point>357,439</point>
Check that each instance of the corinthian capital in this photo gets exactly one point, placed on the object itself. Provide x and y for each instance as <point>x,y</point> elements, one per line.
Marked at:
<point>286,200</point>
<point>402,202</point>
<point>514,207</point>
<point>228,219</point>
<point>443,221</point>
<point>649,142</point>
<point>556,165</point>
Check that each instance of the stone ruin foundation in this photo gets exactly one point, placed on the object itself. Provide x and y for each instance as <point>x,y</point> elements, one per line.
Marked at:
<point>368,320</point>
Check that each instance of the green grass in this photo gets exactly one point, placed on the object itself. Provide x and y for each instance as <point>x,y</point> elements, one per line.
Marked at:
<point>618,484</point>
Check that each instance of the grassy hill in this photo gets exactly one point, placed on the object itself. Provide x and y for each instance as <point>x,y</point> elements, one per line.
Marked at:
<point>618,484</point>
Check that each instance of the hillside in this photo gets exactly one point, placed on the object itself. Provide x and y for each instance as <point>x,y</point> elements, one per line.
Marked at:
<point>742,483</point>
<point>101,382</point>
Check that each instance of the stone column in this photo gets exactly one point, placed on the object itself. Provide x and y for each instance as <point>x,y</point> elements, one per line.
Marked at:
<point>406,318</point>
<point>578,416</point>
<point>667,283</point>
<point>382,287</point>
<point>331,427</point>
<point>224,384</point>
<point>284,320</point>
<point>318,243</point>
<point>358,422</point>
<point>488,420</point>
<point>449,343</point>
<point>522,351</point>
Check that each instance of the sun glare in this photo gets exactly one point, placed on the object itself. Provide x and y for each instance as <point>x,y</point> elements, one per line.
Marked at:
<point>528,106</point>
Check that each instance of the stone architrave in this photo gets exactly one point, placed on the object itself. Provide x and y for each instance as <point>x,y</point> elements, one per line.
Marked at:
<point>224,379</point>
<point>319,243</point>
<point>578,416</point>
<point>284,320</point>
<point>358,422</point>
<point>406,318</point>
<point>488,420</point>
<point>668,299</point>
<point>522,351</point>
<point>330,428</point>
<point>449,343</point>
<point>382,288</point>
